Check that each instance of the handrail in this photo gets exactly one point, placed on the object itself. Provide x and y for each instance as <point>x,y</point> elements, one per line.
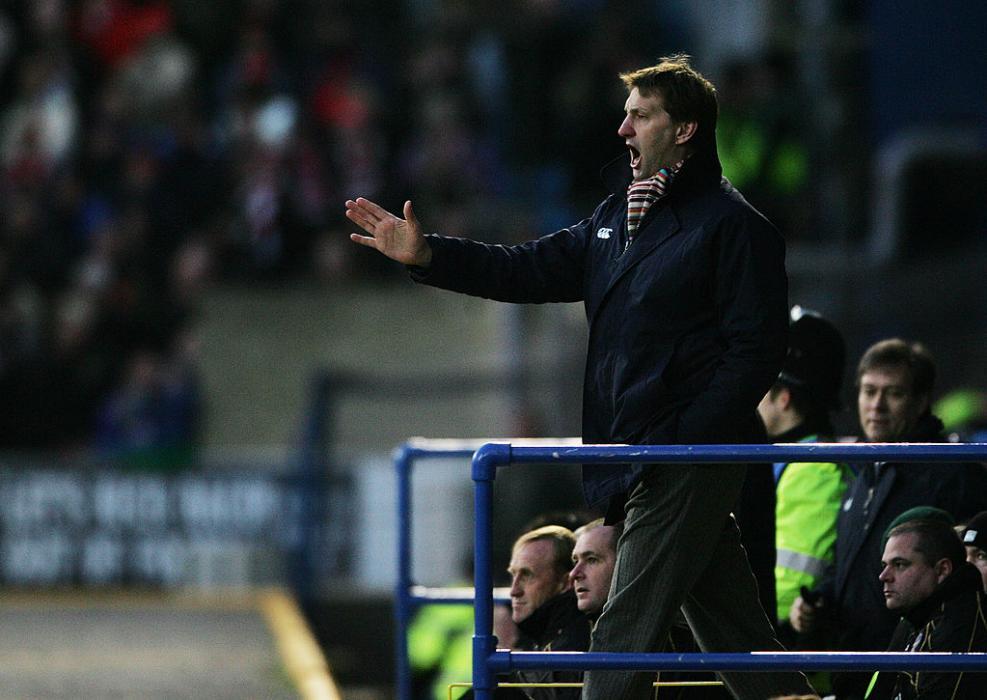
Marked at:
<point>488,660</point>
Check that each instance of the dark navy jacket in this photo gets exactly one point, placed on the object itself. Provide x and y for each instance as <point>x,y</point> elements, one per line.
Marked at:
<point>687,328</point>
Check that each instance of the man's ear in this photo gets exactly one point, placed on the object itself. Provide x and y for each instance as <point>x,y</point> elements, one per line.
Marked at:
<point>785,397</point>
<point>944,567</point>
<point>685,131</point>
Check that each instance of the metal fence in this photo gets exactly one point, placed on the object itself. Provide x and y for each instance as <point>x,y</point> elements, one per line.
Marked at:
<point>488,458</point>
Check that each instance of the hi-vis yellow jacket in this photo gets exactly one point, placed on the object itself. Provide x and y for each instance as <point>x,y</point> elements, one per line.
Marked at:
<point>808,501</point>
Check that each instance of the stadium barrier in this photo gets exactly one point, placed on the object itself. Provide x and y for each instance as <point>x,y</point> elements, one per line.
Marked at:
<point>408,596</point>
<point>488,458</point>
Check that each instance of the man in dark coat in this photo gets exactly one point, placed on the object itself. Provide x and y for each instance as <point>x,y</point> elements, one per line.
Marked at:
<point>895,379</point>
<point>942,607</point>
<point>544,607</point>
<point>685,293</point>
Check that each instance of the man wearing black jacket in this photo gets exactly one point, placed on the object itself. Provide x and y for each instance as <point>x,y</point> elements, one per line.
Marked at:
<point>543,605</point>
<point>685,293</point>
<point>942,605</point>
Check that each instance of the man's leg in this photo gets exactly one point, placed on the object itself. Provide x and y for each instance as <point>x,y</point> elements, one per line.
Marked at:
<point>723,611</point>
<point>675,517</point>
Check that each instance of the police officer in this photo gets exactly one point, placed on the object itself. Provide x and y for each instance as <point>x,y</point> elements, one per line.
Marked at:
<point>797,409</point>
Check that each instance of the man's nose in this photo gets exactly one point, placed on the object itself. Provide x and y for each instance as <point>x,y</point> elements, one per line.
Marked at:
<point>515,588</point>
<point>885,574</point>
<point>625,129</point>
<point>576,573</point>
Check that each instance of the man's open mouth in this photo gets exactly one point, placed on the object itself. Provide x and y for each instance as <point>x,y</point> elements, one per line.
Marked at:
<point>635,155</point>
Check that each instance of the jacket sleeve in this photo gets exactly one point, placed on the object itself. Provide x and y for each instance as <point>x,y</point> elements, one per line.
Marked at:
<point>547,269</point>
<point>750,294</point>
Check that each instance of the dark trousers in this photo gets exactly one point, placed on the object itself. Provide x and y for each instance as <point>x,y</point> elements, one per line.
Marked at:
<point>681,549</point>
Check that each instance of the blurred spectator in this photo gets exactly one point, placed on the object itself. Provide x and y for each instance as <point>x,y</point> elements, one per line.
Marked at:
<point>440,649</point>
<point>964,414</point>
<point>760,140</point>
<point>151,420</point>
<point>37,130</point>
<point>116,30</point>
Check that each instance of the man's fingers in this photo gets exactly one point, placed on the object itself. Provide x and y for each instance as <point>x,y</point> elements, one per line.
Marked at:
<point>360,221</point>
<point>374,211</point>
<point>368,241</point>
<point>363,211</point>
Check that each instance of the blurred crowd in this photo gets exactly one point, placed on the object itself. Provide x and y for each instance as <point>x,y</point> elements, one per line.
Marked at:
<point>151,147</point>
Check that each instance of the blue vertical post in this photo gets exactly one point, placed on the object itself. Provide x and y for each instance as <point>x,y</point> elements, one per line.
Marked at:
<point>485,463</point>
<point>402,598</point>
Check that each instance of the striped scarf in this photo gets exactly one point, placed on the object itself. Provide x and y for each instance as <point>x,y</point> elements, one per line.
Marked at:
<point>641,195</point>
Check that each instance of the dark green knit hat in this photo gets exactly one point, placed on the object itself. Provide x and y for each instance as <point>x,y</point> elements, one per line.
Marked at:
<point>917,513</point>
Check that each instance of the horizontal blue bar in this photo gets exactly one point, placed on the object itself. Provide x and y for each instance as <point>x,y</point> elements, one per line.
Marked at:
<point>727,454</point>
<point>502,661</point>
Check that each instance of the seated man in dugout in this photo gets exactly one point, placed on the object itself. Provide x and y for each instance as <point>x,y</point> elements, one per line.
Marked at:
<point>543,605</point>
<point>593,559</point>
<point>544,609</point>
<point>940,598</point>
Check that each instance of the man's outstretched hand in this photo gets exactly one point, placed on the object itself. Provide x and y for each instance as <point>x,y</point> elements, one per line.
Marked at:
<point>399,239</point>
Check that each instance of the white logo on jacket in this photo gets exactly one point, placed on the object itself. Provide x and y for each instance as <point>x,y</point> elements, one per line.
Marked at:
<point>604,233</point>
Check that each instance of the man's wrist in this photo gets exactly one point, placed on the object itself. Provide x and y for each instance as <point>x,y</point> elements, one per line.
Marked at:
<point>423,257</point>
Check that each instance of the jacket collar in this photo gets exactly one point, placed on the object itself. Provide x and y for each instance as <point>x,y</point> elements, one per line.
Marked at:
<point>928,429</point>
<point>543,625</point>
<point>700,171</point>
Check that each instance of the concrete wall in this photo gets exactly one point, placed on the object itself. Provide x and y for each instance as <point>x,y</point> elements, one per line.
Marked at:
<point>261,347</point>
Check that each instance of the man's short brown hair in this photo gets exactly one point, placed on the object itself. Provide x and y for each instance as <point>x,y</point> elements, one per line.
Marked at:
<point>686,94</point>
<point>895,352</point>
<point>616,531</point>
<point>934,540</point>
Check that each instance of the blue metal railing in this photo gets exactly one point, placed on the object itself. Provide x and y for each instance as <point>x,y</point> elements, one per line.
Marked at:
<point>488,661</point>
<point>409,597</point>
